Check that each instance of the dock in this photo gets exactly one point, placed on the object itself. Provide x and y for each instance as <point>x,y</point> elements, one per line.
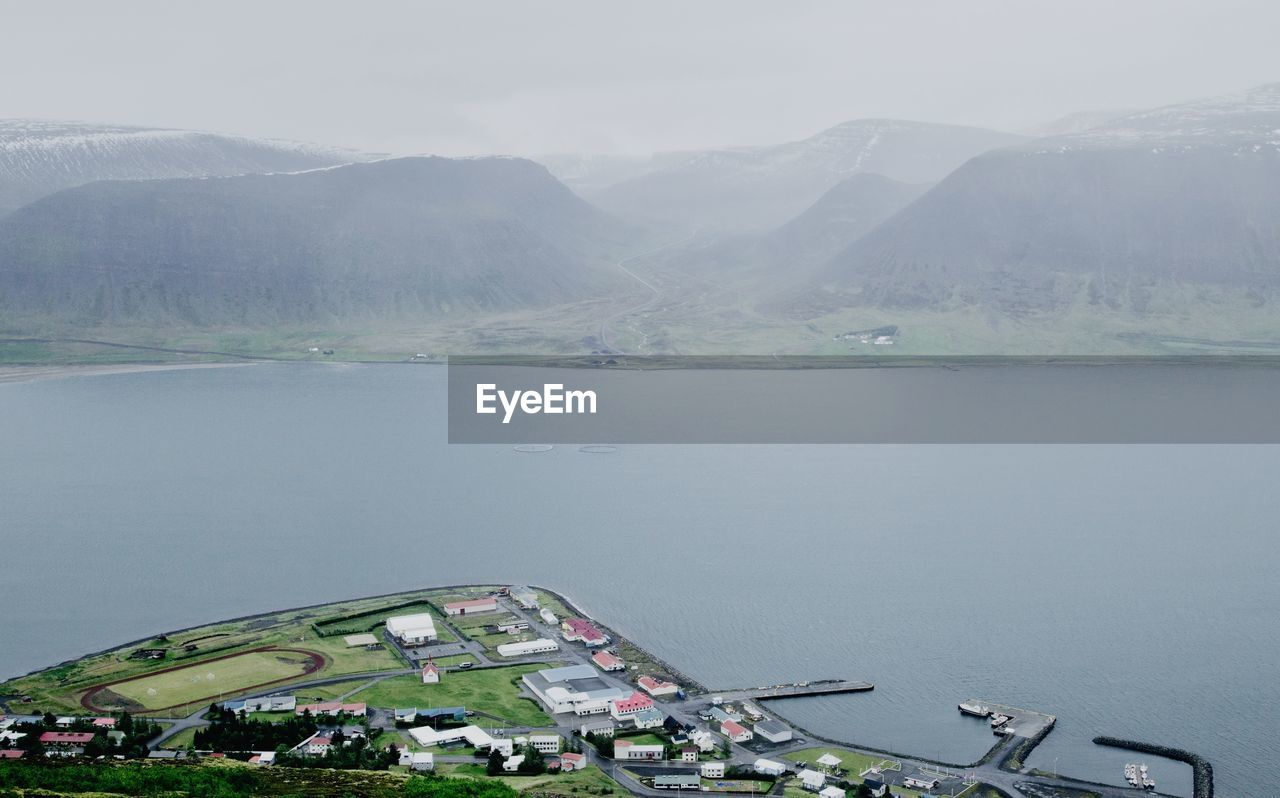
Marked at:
<point>799,690</point>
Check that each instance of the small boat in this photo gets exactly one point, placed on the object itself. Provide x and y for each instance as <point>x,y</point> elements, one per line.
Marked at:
<point>975,709</point>
<point>998,720</point>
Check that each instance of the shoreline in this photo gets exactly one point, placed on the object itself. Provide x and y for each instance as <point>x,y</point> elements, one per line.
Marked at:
<point>25,374</point>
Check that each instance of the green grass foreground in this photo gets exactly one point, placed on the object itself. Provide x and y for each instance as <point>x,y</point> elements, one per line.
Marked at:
<point>225,780</point>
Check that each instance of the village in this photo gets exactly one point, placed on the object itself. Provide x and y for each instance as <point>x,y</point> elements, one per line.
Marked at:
<point>507,682</point>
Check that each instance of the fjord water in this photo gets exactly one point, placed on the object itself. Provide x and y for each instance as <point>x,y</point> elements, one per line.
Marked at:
<point>1129,590</point>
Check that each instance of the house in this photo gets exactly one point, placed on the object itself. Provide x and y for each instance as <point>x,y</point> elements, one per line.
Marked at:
<point>512,763</point>
<point>570,762</point>
<point>830,762</point>
<point>524,595</point>
<point>405,716</point>
<point>831,792</point>
<point>545,743</point>
<point>412,630</point>
<point>657,687</point>
<point>878,788</point>
<point>511,627</point>
<point>583,631</point>
<point>65,722</point>
<point>689,753</point>
<point>573,688</point>
<point>767,767</point>
<point>539,646</point>
<point>703,739</point>
<point>474,736</point>
<point>600,728</point>
<point>422,760</point>
<point>718,715</point>
<point>263,758</point>
<point>621,708</point>
<point>430,673</point>
<point>104,723</point>
<point>772,730</point>
<point>317,745</point>
<point>690,781</point>
<point>608,662</point>
<point>650,718</point>
<point>712,770</point>
<point>471,606</point>
<point>625,749</point>
<point>11,753</point>
<point>735,731</point>
<point>504,747</point>
<point>52,739</point>
<point>812,780</point>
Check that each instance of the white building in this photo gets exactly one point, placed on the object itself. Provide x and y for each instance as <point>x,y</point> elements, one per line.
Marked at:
<point>712,770</point>
<point>829,761</point>
<point>625,749</point>
<point>574,688</point>
<point>545,743</point>
<point>812,780</point>
<point>473,735</point>
<point>503,746</point>
<point>767,767</point>
<point>602,728</point>
<point>832,792</point>
<point>422,760</point>
<point>540,646</point>
<point>525,596</point>
<point>735,731</point>
<point>430,673</point>
<point>412,630</point>
<point>704,739</point>
<point>512,764</point>
<point>471,606</point>
<point>773,731</point>
<point>548,617</point>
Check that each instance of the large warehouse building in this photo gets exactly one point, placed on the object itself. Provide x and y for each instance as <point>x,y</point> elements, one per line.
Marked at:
<point>412,630</point>
<point>575,688</point>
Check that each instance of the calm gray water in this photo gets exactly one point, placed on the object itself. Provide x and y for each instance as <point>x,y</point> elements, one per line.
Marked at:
<point>1130,590</point>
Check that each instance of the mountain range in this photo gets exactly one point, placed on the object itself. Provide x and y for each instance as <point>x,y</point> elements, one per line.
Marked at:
<point>1118,215</point>
<point>758,188</point>
<point>40,157</point>
<point>407,238</point>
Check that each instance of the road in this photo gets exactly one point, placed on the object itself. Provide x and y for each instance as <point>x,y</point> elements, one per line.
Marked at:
<point>648,303</point>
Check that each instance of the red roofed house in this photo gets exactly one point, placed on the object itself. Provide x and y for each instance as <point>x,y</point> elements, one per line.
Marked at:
<point>735,731</point>
<point>11,753</point>
<point>576,629</point>
<point>657,687</point>
<point>66,739</point>
<point>319,746</point>
<point>607,662</point>
<point>471,607</point>
<point>570,762</point>
<point>626,707</point>
<point>108,723</point>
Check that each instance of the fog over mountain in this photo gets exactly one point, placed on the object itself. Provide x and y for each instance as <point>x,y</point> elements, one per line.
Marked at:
<point>39,157</point>
<point>393,239</point>
<point>1126,215</point>
<point>762,187</point>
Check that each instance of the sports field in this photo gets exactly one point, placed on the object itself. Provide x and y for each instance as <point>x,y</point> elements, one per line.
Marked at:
<point>208,680</point>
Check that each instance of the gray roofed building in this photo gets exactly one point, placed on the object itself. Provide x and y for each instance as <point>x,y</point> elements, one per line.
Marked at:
<point>773,731</point>
<point>691,781</point>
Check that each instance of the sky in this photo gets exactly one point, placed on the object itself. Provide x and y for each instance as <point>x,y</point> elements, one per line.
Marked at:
<point>529,77</point>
